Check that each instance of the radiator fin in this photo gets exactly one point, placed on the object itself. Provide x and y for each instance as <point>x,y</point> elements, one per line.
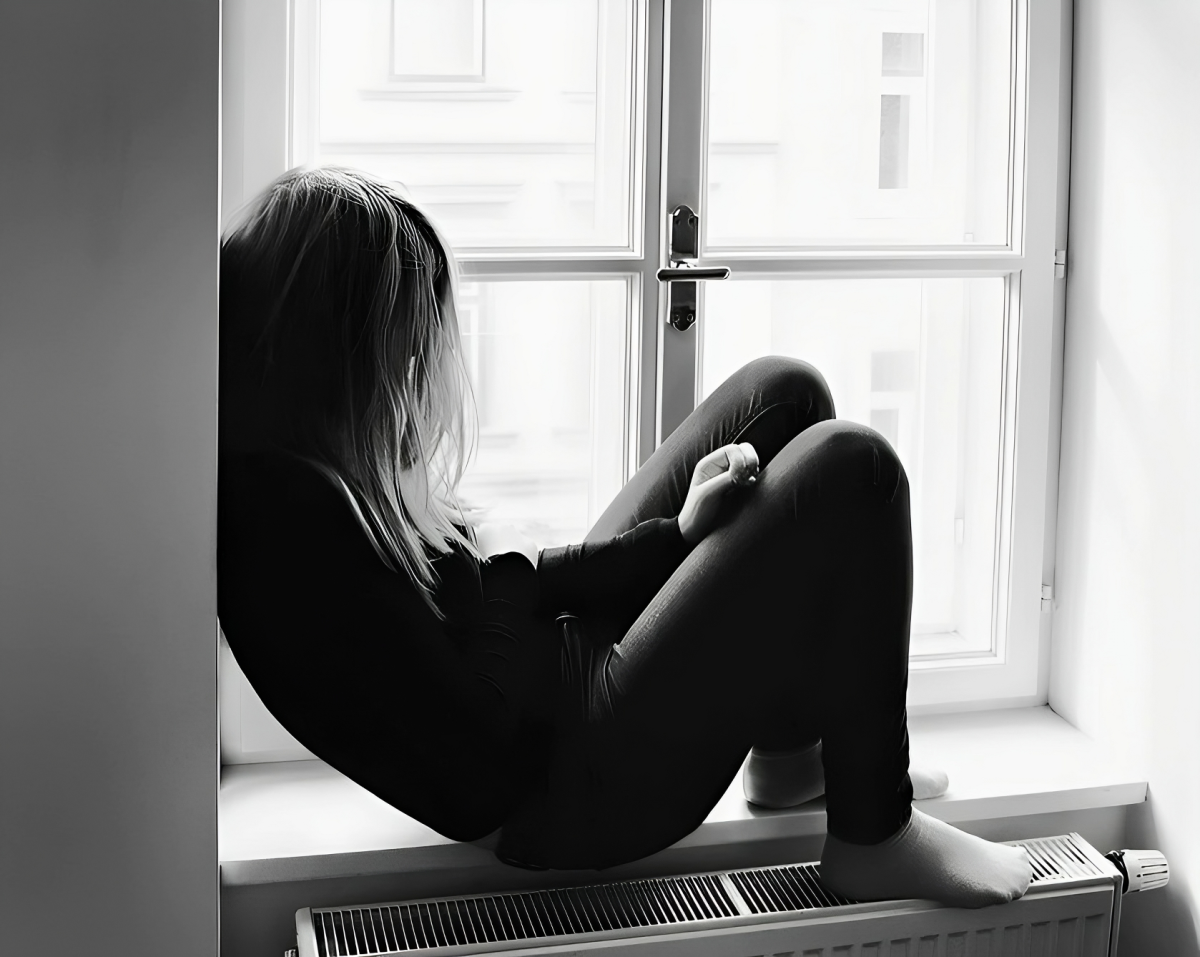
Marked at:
<point>688,900</point>
<point>769,890</point>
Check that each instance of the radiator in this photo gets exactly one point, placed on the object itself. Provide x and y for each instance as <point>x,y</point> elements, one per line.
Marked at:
<point>1071,910</point>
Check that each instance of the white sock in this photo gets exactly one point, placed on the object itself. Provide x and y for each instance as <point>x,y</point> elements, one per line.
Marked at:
<point>927,858</point>
<point>779,779</point>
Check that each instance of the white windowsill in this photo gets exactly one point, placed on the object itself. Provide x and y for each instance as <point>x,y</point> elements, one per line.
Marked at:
<point>302,820</point>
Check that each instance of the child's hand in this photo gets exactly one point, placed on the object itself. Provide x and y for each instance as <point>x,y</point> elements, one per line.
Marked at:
<point>715,474</point>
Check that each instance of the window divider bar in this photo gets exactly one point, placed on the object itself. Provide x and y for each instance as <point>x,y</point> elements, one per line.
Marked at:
<point>561,269</point>
<point>649,303</point>
<point>867,267</point>
<point>816,265</point>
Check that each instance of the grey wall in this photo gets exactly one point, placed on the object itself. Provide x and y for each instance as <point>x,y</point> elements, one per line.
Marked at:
<point>108,329</point>
<point>1126,659</point>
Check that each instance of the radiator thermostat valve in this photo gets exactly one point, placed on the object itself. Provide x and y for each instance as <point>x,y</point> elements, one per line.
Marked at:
<point>1142,870</point>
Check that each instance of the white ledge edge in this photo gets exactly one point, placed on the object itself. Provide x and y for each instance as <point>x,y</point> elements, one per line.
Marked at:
<point>1001,764</point>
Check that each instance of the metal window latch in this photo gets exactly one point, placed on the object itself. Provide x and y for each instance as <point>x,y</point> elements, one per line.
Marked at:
<point>685,234</point>
<point>1047,599</point>
<point>683,273</point>
<point>1060,264</point>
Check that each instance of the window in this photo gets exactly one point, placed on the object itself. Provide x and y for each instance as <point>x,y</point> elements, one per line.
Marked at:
<point>893,140</point>
<point>433,39</point>
<point>881,180</point>
<point>903,54</point>
<point>879,177</point>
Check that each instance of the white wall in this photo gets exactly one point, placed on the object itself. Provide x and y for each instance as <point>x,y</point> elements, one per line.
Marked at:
<point>1126,665</point>
<point>108,245</point>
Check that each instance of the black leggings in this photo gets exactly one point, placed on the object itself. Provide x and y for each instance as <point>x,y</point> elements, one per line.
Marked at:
<point>787,624</point>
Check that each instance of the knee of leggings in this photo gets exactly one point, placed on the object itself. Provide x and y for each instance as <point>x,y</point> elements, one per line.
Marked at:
<point>783,379</point>
<point>856,458</point>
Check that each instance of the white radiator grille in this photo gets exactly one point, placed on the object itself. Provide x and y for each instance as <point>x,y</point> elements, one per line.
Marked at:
<point>1058,859</point>
<point>725,903</point>
<point>772,890</point>
<point>396,928</point>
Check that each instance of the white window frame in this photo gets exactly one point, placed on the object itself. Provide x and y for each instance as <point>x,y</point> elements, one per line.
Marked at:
<point>1014,671</point>
<point>269,57</point>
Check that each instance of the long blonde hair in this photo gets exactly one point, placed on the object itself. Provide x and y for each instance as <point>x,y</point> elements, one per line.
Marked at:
<point>339,332</point>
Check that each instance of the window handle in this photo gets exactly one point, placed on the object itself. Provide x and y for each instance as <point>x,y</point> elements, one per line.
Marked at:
<point>681,290</point>
<point>683,230</point>
<point>682,272</point>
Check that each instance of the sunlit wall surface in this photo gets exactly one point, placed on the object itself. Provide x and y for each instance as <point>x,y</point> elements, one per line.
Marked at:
<point>921,361</point>
<point>859,122</point>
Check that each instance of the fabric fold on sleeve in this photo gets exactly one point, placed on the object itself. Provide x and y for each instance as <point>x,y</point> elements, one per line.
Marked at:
<point>614,577</point>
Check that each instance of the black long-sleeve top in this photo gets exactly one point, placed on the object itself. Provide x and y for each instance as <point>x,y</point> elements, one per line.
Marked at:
<point>450,721</point>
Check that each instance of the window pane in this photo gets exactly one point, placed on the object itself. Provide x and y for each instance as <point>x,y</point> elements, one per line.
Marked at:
<point>509,121</point>
<point>922,362</point>
<point>548,361</point>
<point>844,122</point>
<point>437,39</point>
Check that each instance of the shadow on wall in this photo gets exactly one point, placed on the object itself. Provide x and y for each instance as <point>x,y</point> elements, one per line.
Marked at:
<point>1161,921</point>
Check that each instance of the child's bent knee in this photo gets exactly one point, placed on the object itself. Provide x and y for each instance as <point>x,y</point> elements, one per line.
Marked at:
<point>839,459</point>
<point>783,379</point>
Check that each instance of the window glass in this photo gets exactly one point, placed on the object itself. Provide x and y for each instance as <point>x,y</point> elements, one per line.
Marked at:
<point>922,362</point>
<point>437,39</point>
<point>843,122</point>
<point>509,121</point>
<point>549,366</point>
